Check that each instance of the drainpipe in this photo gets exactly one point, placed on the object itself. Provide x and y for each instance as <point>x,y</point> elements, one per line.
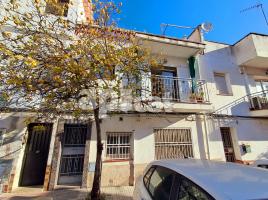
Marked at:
<point>206,137</point>
<point>243,71</point>
<point>245,75</point>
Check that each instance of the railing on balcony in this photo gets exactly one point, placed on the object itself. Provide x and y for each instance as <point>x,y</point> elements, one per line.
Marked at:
<point>179,89</point>
<point>259,101</point>
<point>256,101</point>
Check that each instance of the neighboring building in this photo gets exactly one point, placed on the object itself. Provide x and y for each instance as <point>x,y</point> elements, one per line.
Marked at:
<point>226,119</point>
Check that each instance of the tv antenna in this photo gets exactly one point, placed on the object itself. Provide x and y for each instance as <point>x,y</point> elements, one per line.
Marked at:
<point>206,27</point>
<point>165,26</point>
<point>257,6</point>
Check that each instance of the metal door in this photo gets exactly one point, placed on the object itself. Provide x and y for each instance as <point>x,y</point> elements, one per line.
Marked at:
<point>72,156</point>
<point>227,144</point>
<point>36,153</point>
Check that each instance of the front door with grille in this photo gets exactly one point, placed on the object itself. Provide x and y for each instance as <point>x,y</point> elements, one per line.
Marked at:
<point>36,153</point>
<point>72,157</point>
<point>173,143</point>
<point>227,144</point>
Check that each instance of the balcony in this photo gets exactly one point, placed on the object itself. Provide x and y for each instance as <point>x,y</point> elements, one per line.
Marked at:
<point>158,93</point>
<point>252,51</point>
<point>179,90</point>
<point>176,94</point>
<point>259,103</point>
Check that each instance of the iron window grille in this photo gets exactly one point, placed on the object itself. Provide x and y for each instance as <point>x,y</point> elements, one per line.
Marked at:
<point>118,146</point>
<point>173,143</point>
<point>72,165</point>
<point>75,135</point>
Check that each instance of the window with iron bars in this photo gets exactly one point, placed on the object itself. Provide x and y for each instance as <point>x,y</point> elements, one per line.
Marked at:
<point>118,146</point>
<point>75,135</point>
<point>173,143</point>
<point>72,165</point>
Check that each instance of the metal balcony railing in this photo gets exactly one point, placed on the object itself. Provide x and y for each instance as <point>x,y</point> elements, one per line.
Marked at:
<point>256,101</point>
<point>259,101</point>
<point>178,89</point>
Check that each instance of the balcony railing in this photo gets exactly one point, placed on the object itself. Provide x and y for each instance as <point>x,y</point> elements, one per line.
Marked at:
<point>178,89</point>
<point>259,101</point>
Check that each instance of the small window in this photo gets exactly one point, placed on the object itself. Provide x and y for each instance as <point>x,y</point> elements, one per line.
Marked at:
<point>160,183</point>
<point>190,191</point>
<point>118,146</point>
<point>221,84</point>
<point>2,136</point>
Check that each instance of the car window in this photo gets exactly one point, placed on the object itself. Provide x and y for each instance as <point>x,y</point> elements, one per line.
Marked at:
<point>160,183</point>
<point>147,176</point>
<point>263,166</point>
<point>190,191</point>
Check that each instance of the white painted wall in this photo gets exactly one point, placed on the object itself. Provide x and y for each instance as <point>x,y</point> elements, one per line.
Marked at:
<point>143,138</point>
<point>219,58</point>
<point>222,58</point>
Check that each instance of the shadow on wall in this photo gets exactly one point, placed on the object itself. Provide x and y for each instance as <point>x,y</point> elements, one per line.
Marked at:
<point>12,143</point>
<point>262,156</point>
<point>220,60</point>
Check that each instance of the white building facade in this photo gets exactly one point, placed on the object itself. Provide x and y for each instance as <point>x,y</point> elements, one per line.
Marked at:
<point>211,102</point>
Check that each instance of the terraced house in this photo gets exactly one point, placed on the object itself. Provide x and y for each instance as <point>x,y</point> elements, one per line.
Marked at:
<point>210,101</point>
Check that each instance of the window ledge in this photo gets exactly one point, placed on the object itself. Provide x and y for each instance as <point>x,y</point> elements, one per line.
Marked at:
<point>225,94</point>
<point>117,160</point>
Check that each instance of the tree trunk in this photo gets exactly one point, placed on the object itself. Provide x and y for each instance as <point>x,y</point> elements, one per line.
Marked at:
<point>95,192</point>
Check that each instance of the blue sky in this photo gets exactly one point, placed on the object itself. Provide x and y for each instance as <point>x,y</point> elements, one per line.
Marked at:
<point>229,25</point>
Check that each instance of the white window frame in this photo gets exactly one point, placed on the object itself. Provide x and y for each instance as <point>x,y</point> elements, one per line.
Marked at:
<point>227,83</point>
<point>118,145</point>
<point>261,82</point>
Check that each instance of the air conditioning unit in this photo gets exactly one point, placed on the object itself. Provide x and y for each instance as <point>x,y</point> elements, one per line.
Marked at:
<point>255,103</point>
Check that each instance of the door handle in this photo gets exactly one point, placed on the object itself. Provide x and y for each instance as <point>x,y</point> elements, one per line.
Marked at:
<point>37,151</point>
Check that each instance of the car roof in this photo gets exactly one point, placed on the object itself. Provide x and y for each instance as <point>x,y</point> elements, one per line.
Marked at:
<point>222,180</point>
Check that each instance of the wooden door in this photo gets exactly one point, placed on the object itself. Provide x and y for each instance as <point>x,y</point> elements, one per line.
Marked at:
<point>227,144</point>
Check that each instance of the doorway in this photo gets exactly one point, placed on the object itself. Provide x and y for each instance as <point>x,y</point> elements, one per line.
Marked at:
<point>36,153</point>
<point>165,83</point>
<point>227,144</point>
<point>73,144</point>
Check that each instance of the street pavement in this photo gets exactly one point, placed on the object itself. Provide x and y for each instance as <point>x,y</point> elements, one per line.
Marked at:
<point>68,193</point>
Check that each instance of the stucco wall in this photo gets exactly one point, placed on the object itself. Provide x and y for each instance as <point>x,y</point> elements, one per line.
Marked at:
<point>12,147</point>
<point>141,127</point>
<point>219,58</point>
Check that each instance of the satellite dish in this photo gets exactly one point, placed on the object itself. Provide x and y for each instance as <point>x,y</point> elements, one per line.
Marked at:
<point>207,26</point>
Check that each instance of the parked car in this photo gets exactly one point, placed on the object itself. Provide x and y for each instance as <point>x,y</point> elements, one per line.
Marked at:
<point>262,163</point>
<point>191,179</point>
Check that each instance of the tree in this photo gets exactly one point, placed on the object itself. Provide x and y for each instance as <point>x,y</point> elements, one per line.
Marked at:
<point>53,66</point>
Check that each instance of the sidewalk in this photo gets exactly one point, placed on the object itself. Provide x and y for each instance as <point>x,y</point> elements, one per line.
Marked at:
<point>110,193</point>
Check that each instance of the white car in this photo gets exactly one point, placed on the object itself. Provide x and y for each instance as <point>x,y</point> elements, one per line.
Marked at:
<point>192,179</point>
<point>263,163</point>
